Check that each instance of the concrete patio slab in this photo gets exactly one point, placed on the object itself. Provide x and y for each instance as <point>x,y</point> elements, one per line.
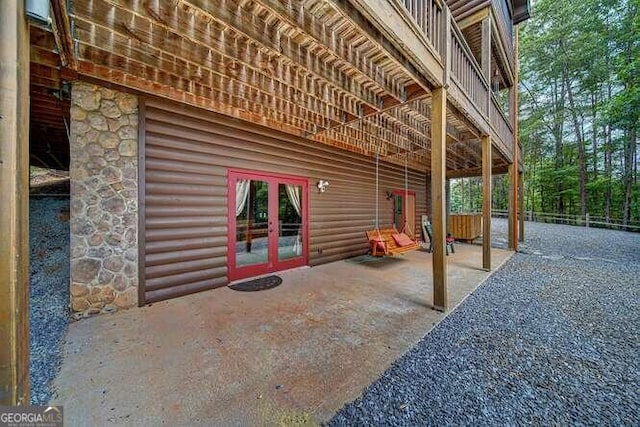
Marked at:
<point>294,354</point>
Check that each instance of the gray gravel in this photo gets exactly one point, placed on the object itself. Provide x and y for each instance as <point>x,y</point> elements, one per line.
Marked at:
<point>49,291</point>
<point>551,338</point>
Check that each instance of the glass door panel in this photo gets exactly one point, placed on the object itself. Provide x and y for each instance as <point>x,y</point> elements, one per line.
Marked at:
<point>267,223</point>
<point>252,222</point>
<point>290,229</point>
<point>398,220</point>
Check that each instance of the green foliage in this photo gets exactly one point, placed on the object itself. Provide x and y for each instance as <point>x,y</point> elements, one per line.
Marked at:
<point>591,50</point>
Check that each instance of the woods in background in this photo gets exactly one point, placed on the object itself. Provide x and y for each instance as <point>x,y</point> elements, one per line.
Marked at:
<point>580,108</point>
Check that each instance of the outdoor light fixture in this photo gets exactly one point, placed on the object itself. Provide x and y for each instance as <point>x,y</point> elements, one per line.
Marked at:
<point>322,186</point>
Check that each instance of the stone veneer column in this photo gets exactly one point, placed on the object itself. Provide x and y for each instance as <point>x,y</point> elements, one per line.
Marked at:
<point>104,199</point>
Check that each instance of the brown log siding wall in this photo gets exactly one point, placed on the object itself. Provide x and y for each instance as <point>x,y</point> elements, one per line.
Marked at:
<point>187,154</point>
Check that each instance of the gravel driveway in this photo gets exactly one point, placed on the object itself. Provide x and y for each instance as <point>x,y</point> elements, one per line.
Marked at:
<point>550,338</point>
<point>49,291</point>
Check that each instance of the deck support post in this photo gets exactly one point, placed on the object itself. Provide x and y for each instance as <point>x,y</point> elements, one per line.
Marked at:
<point>438,196</point>
<point>486,202</point>
<point>14,204</point>
<point>521,206</point>
<point>516,131</point>
<point>513,168</point>
<point>513,207</point>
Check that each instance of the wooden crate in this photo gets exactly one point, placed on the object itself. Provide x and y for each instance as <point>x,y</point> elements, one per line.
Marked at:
<point>465,226</point>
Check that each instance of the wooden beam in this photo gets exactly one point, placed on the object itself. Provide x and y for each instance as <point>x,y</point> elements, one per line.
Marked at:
<point>521,207</point>
<point>512,207</point>
<point>513,168</point>
<point>14,208</point>
<point>41,37</point>
<point>485,51</point>
<point>473,19</point>
<point>486,202</point>
<point>473,172</point>
<point>446,24</point>
<point>438,214</point>
<point>44,57</point>
<point>62,33</point>
<point>465,8</point>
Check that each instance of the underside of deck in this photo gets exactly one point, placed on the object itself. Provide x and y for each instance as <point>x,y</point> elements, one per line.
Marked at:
<point>335,72</point>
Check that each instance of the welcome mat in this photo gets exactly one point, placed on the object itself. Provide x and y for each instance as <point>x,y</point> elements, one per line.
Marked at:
<point>259,284</point>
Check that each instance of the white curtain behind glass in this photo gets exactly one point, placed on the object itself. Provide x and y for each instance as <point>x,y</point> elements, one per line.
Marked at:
<point>293,191</point>
<point>242,194</point>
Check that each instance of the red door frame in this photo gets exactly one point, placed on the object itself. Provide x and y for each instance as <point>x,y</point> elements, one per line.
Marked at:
<point>235,273</point>
<point>415,206</point>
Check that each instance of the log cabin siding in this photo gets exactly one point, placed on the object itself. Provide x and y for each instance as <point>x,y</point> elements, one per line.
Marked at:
<point>187,155</point>
<point>188,152</point>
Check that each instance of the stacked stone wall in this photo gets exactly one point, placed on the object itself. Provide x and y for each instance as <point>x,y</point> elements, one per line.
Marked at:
<point>104,199</point>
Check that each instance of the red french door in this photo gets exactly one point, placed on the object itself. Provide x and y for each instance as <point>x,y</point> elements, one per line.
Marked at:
<point>268,226</point>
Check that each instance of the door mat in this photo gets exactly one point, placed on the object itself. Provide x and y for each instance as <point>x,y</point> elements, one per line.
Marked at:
<point>259,284</point>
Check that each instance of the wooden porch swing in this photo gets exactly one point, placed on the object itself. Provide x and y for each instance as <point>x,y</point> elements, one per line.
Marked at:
<point>390,241</point>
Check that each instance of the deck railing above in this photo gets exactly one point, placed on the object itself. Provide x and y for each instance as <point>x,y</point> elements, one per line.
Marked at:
<point>427,15</point>
<point>466,71</point>
<point>434,21</point>
<point>500,123</point>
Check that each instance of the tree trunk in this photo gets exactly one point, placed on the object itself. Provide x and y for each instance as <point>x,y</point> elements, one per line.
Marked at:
<point>582,155</point>
<point>596,195</point>
<point>634,153</point>
<point>558,130</point>
<point>629,158</point>
<point>594,135</point>
<point>608,165</point>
